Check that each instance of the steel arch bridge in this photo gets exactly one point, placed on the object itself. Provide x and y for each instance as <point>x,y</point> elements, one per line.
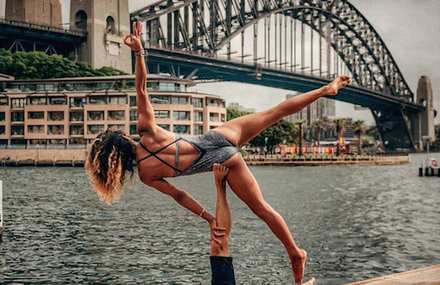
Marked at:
<point>291,44</point>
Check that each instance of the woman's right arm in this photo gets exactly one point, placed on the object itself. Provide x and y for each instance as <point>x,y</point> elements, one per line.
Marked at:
<point>146,121</point>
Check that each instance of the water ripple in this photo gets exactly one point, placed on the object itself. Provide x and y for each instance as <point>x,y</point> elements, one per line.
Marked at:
<point>356,222</point>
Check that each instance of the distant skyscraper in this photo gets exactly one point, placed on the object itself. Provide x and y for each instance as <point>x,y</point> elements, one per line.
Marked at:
<point>236,106</point>
<point>318,110</point>
<point>41,12</point>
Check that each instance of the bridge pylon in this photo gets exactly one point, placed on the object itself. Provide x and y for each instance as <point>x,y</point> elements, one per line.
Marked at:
<point>105,22</point>
<point>423,122</point>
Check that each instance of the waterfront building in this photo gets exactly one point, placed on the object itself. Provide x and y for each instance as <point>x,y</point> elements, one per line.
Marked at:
<point>238,107</point>
<point>70,112</point>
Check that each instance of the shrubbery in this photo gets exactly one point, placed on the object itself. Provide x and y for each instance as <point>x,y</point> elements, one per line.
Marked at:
<point>38,65</point>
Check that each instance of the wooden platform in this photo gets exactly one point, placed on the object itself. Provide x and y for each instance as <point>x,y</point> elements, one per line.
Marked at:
<point>422,276</point>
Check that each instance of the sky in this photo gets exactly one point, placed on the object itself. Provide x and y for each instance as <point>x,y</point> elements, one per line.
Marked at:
<point>409,28</point>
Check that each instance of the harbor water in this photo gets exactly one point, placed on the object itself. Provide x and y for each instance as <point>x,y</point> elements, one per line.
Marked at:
<point>356,222</point>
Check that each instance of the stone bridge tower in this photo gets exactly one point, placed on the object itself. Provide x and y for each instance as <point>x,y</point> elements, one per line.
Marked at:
<point>106,22</point>
<point>423,125</point>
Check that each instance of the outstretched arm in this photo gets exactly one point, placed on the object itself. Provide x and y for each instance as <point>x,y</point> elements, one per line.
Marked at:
<point>146,121</point>
<point>223,213</point>
<point>187,201</point>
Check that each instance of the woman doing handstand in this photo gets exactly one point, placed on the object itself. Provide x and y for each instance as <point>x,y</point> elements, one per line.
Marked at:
<point>161,154</point>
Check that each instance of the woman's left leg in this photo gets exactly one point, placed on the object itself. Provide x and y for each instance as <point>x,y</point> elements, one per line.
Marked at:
<point>241,130</point>
<point>246,188</point>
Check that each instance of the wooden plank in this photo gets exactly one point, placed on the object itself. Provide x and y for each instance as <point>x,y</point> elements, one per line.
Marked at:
<point>422,276</point>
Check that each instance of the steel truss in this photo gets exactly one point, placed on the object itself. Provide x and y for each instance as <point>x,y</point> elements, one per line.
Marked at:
<point>206,28</point>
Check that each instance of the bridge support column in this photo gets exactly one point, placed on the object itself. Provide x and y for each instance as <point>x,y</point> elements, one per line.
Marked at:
<point>395,129</point>
<point>423,122</point>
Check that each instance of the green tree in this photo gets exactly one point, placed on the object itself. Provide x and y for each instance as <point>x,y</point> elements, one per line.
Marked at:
<point>38,65</point>
<point>359,127</point>
<point>339,125</point>
<point>279,132</point>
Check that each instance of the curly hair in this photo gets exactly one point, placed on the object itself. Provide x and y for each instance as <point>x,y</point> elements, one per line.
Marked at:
<point>108,160</point>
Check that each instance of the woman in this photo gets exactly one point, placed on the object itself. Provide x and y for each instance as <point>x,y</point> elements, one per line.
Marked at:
<point>161,154</point>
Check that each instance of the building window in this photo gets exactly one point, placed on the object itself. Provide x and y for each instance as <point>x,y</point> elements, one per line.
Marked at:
<point>2,116</point>
<point>165,86</point>
<point>215,102</point>
<point>159,99</point>
<point>18,102</point>
<point>116,115</point>
<point>76,116</point>
<point>179,100</point>
<point>55,129</point>
<point>36,129</point>
<point>117,100</point>
<point>132,101</point>
<point>110,25</point>
<point>3,101</point>
<point>94,129</point>
<point>117,127</point>
<point>134,115</point>
<point>17,130</point>
<point>180,87</point>
<point>180,115</point>
<point>18,141</point>
<point>76,130</point>
<point>133,130</point>
<point>198,117</point>
<point>2,130</point>
<point>77,102</point>
<point>35,115</point>
<point>17,116</point>
<point>153,86</point>
<point>95,115</point>
<point>57,100</point>
<point>77,141</point>
<point>165,127</point>
<point>197,102</point>
<point>161,114</point>
<point>213,117</point>
<point>81,20</point>
<point>55,116</point>
<point>99,100</point>
<point>181,129</point>
<point>37,101</point>
<point>198,130</point>
<point>222,118</point>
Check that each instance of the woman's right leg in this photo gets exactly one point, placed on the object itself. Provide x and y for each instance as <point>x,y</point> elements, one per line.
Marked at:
<point>245,186</point>
<point>241,130</point>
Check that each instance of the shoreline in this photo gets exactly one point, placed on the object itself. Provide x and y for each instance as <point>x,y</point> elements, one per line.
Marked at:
<point>76,157</point>
<point>334,160</point>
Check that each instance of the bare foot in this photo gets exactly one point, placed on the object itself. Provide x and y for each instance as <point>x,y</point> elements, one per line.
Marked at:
<point>340,82</point>
<point>298,264</point>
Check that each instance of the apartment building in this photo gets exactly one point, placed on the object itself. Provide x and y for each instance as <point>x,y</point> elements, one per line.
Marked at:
<point>71,112</point>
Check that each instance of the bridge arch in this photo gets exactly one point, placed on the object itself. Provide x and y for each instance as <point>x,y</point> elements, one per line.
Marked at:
<point>217,22</point>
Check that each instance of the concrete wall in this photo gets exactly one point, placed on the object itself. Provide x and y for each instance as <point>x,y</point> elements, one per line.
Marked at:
<point>104,47</point>
<point>42,12</point>
<point>42,156</point>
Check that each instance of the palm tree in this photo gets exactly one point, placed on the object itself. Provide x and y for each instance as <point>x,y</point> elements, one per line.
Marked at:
<point>359,127</point>
<point>318,124</point>
<point>339,125</point>
<point>300,128</point>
